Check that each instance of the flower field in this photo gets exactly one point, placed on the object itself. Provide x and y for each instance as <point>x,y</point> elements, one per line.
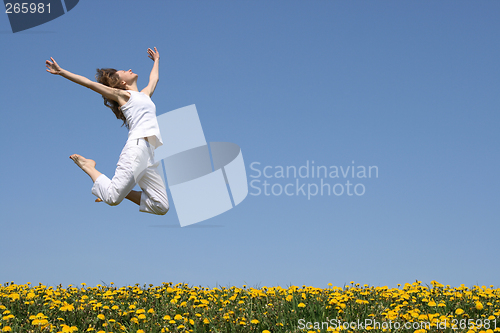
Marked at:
<point>180,308</point>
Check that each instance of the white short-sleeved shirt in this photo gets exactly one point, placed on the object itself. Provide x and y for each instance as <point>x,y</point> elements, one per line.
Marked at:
<point>140,112</point>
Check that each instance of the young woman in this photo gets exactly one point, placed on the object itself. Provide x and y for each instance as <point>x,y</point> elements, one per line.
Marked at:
<point>136,163</point>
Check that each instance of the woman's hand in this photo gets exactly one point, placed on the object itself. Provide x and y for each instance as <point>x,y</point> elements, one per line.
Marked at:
<point>153,55</point>
<point>53,67</point>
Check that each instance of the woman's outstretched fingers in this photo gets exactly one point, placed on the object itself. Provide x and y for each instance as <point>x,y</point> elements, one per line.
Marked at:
<point>153,55</point>
<point>52,67</point>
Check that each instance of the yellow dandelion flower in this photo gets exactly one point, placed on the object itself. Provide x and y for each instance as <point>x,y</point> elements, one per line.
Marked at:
<point>459,311</point>
<point>6,329</point>
<point>140,331</point>
<point>101,316</point>
<point>431,303</point>
<point>265,331</point>
<point>254,321</point>
<point>206,321</point>
<point>479,305</point>
<point>301,305</point>
<point>142,316</point>
<point>39,322</point>
<point>40,316</point>
<point>177,317</point>
<point>67,307</point>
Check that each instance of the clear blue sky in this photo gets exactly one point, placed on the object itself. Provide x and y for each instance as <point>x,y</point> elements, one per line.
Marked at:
<point>411,87</point>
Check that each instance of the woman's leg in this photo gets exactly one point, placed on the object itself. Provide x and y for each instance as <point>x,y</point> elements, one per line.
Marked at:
<point>134,196</point>
<point>113,191</point>
<point>154,197</point>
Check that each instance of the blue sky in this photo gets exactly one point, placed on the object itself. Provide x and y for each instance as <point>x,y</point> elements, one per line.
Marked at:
<point>411,87</point>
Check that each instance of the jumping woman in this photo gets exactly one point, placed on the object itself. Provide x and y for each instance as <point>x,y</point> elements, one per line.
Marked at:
<point>136,163</point>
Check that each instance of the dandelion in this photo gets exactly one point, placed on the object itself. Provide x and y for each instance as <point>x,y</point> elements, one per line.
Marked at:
<point>68,329</point>
<point>301,305</point>
<point>101,316</point>
<point>39,322</point>
<point>479,306</point>
<point>67,307</point>
<point>459,311</point>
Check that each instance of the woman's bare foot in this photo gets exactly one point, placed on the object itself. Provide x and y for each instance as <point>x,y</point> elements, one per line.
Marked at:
<point>82,162</point>
<point>87,165</point>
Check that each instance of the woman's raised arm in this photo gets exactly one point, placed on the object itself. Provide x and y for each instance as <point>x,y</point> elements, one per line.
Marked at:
<point>108,92</point>
<point>155,72</point>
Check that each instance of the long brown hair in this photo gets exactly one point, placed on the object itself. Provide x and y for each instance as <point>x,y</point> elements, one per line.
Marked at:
<point>108,77</point>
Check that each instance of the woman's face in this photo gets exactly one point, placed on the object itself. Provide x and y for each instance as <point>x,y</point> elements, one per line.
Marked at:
<point>127,77</point>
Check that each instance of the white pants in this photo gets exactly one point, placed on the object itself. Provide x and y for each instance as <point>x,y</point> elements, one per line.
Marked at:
<point>135,166</point>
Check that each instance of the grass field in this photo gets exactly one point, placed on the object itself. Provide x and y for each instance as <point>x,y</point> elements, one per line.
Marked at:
<point>182,308</point>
